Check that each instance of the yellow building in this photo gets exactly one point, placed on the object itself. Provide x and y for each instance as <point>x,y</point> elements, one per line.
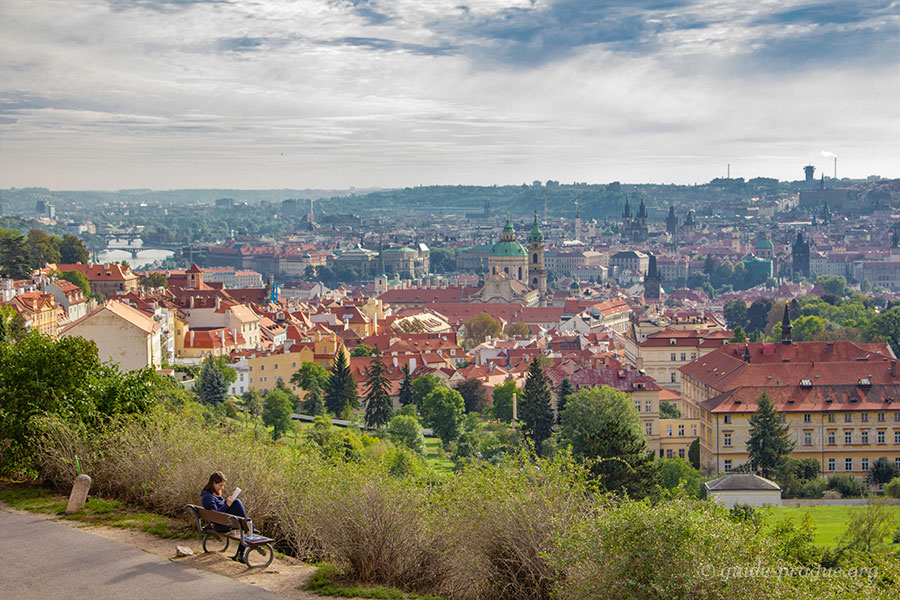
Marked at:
<point>840,399</point>
<point>266,369</point>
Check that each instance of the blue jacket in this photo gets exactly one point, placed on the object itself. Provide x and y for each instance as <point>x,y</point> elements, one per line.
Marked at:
<point>212,501</point>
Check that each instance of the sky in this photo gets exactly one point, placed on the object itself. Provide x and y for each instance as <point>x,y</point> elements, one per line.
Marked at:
<point>265,94</point>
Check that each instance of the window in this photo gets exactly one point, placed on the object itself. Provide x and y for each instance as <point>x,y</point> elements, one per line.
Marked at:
<point>728,466</point>
<point>694,430</point>
<point>848,436</point>
<point>681,430</point>
<point>672,377</point>
<point>669,430</point>
<point>897,437</point>
<point>649,406</point>
<point>831,436</point>
<point>831,418</point>
<point>728,419</point>
<point>668,453</point>
<point>783,418</point>
<point>879,437</point>
<point>262,367</point>
<point>848,418</point>
<point>276,366</point>
<point>807,438</point>
<point>807,418</point>
<point>864,436</point>
<point>648,427</point>
<point>684,356</point>
<point>681,453</point>
<point>897,462</point>
<point>864,417</point>
<point>637,405</point>
<point>881,417</point>
<point>864,463</point>
<point>832,464</point>
<point>848,464</point>
<point>672,357</point>
<point>726,439</point>
<point>897,416</point>
<point>693,355</point>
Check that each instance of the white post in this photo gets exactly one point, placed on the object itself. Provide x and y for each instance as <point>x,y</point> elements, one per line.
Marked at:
<point>515,408</point>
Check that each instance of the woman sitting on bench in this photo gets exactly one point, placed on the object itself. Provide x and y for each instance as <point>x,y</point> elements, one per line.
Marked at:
<point>211,499</point>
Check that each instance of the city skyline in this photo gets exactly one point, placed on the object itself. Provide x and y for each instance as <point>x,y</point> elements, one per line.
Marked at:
<point>219,94</point>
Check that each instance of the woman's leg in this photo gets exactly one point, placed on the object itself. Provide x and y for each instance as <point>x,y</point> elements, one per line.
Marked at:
<point>236,509</point>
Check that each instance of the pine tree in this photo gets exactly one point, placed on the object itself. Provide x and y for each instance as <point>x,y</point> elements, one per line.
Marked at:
<point>212,385</point>
<point>314,402</point>
<point>378,396</point>
<point>565,390</point>
<point>341,396</point>
<point>406,393</point>
<point>770,441</point>
<point>536,413</point>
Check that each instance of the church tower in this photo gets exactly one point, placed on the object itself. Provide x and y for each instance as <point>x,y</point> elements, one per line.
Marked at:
<point>536,270</point>
<point>652,281</point>
<point>672,222</point>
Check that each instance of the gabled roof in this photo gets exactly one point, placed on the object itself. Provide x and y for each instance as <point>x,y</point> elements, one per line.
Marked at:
<point>741,482</point>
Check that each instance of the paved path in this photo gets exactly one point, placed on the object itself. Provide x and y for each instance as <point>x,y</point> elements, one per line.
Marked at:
<point>41,559</point>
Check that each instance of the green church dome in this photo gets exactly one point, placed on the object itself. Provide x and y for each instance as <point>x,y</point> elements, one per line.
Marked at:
<point>764,244</point>
<point>508,249</point>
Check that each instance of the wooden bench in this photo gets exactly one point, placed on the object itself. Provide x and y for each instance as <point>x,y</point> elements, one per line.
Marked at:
<point>258,550</point>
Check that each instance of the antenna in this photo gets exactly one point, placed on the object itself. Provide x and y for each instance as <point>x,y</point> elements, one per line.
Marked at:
<point>729,170</point>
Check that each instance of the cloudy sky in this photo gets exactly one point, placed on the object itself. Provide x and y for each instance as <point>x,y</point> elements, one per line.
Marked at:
<point>338,93</point>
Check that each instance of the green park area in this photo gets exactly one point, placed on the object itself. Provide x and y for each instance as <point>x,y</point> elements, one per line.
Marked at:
<point>829,523</point>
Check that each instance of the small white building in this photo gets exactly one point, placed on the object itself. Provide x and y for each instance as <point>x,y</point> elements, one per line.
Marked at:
<point>744,488</point>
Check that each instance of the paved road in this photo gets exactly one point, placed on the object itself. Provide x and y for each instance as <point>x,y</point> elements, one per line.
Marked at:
<point>41,559</point>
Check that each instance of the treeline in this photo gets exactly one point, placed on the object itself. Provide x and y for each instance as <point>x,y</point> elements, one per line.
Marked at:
<point>20,255</point>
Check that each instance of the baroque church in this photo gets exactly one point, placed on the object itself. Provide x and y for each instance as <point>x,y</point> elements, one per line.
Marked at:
<point>516,273</point>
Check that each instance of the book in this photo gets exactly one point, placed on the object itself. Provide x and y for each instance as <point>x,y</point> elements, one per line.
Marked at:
<point>235,493</point>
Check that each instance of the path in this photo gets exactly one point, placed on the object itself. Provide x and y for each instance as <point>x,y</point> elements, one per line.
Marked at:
<point>45,559</point>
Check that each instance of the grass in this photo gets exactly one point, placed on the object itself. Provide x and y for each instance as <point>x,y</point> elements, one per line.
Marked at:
<point>96,511</point>
<point>327,582</point>
<point>436,458</point>
<point>830,521</point>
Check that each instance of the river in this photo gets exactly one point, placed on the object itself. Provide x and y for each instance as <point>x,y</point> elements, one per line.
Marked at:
<point>145,258</point>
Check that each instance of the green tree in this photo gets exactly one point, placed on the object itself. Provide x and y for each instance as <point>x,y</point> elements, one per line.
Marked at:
<point>565,390</point>
<point>77,278</point>
<point>364,350</point>
<point>674,472</point>
<point>212,384</point>
<point>443,411</point>
<point>277,410</point>
<point>72,250</point>
<point>378,395</point>
<point>404,430</point>
<point>758,313</point>
<point>405,395</point>
<point>474,395</point>
<point>518,330</point>
<point>834,284</point>
<point>481,326</point>
<point>603,427</point>
<point>422,386</point>
<point>536,413</point>
<point>340,395</point>
<point>867,529</point>
<point>12,325</point>
<point>668,410</point>
<point>43,248</point>
<point>770,442</point>
<point>40,376</point>
<point>886,326</point>
<point>310,374</point>
<point>15,259</point>
<point>694,453</point>
<point>155,280</point>
<point>253,402</point>
<point>314,401</point>
<point>739,336</point>
<point>503,400</point>
<point>805,329</point>
<point>883,471</point>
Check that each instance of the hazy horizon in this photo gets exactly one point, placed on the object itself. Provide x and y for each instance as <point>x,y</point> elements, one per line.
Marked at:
<point>333,94</point>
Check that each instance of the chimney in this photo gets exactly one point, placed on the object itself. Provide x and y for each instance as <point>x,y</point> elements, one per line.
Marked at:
<point>192,340</point>
<point>515,407</point>
<point>192,302</point>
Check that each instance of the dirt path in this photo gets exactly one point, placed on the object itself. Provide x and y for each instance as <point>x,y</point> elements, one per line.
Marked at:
<point>285,576</point>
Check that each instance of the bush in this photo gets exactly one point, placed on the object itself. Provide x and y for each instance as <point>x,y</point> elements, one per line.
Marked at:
<point>405,431</point>
<point>815,488</point>
<point>847,486</point>
<point>892,488</point>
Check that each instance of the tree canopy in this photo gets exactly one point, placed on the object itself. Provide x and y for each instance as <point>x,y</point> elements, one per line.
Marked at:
<point>769,443</point>
<point>442,410</point>
<point>341,395</point>
<point>378,394</point>
<point>536,413</point>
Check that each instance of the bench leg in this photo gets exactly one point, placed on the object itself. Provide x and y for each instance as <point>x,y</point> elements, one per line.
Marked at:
<point>215,543</point>
<point>259,556</point>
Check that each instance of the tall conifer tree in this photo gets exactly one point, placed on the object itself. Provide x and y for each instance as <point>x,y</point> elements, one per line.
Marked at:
<point>565,390</point>
<point>378,395</point>
<point>536,413</point>
<point>406,393</point>
<point>770,442</point>
<point>341,394</point>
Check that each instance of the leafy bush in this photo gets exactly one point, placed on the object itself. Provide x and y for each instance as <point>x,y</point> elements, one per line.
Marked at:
<point>846,486</point>
<point>892,488</point>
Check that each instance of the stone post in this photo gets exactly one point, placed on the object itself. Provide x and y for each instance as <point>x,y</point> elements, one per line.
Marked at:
<point>79,494</point>
<point>515,408</point>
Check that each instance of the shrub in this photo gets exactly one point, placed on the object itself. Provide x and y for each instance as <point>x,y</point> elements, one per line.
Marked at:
<point>404,430</point>
<point>892,488</point>
<point>815,488</point>
<point>847,486</point>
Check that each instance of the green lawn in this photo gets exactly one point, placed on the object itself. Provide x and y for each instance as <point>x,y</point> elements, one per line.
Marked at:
<point>435,456</point>
<point>830,522</point>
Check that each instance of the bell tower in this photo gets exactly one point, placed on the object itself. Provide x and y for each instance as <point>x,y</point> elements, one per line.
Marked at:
<point>536,271</point>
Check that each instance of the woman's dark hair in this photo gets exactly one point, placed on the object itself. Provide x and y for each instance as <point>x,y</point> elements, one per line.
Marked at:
<point>217,477</point>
